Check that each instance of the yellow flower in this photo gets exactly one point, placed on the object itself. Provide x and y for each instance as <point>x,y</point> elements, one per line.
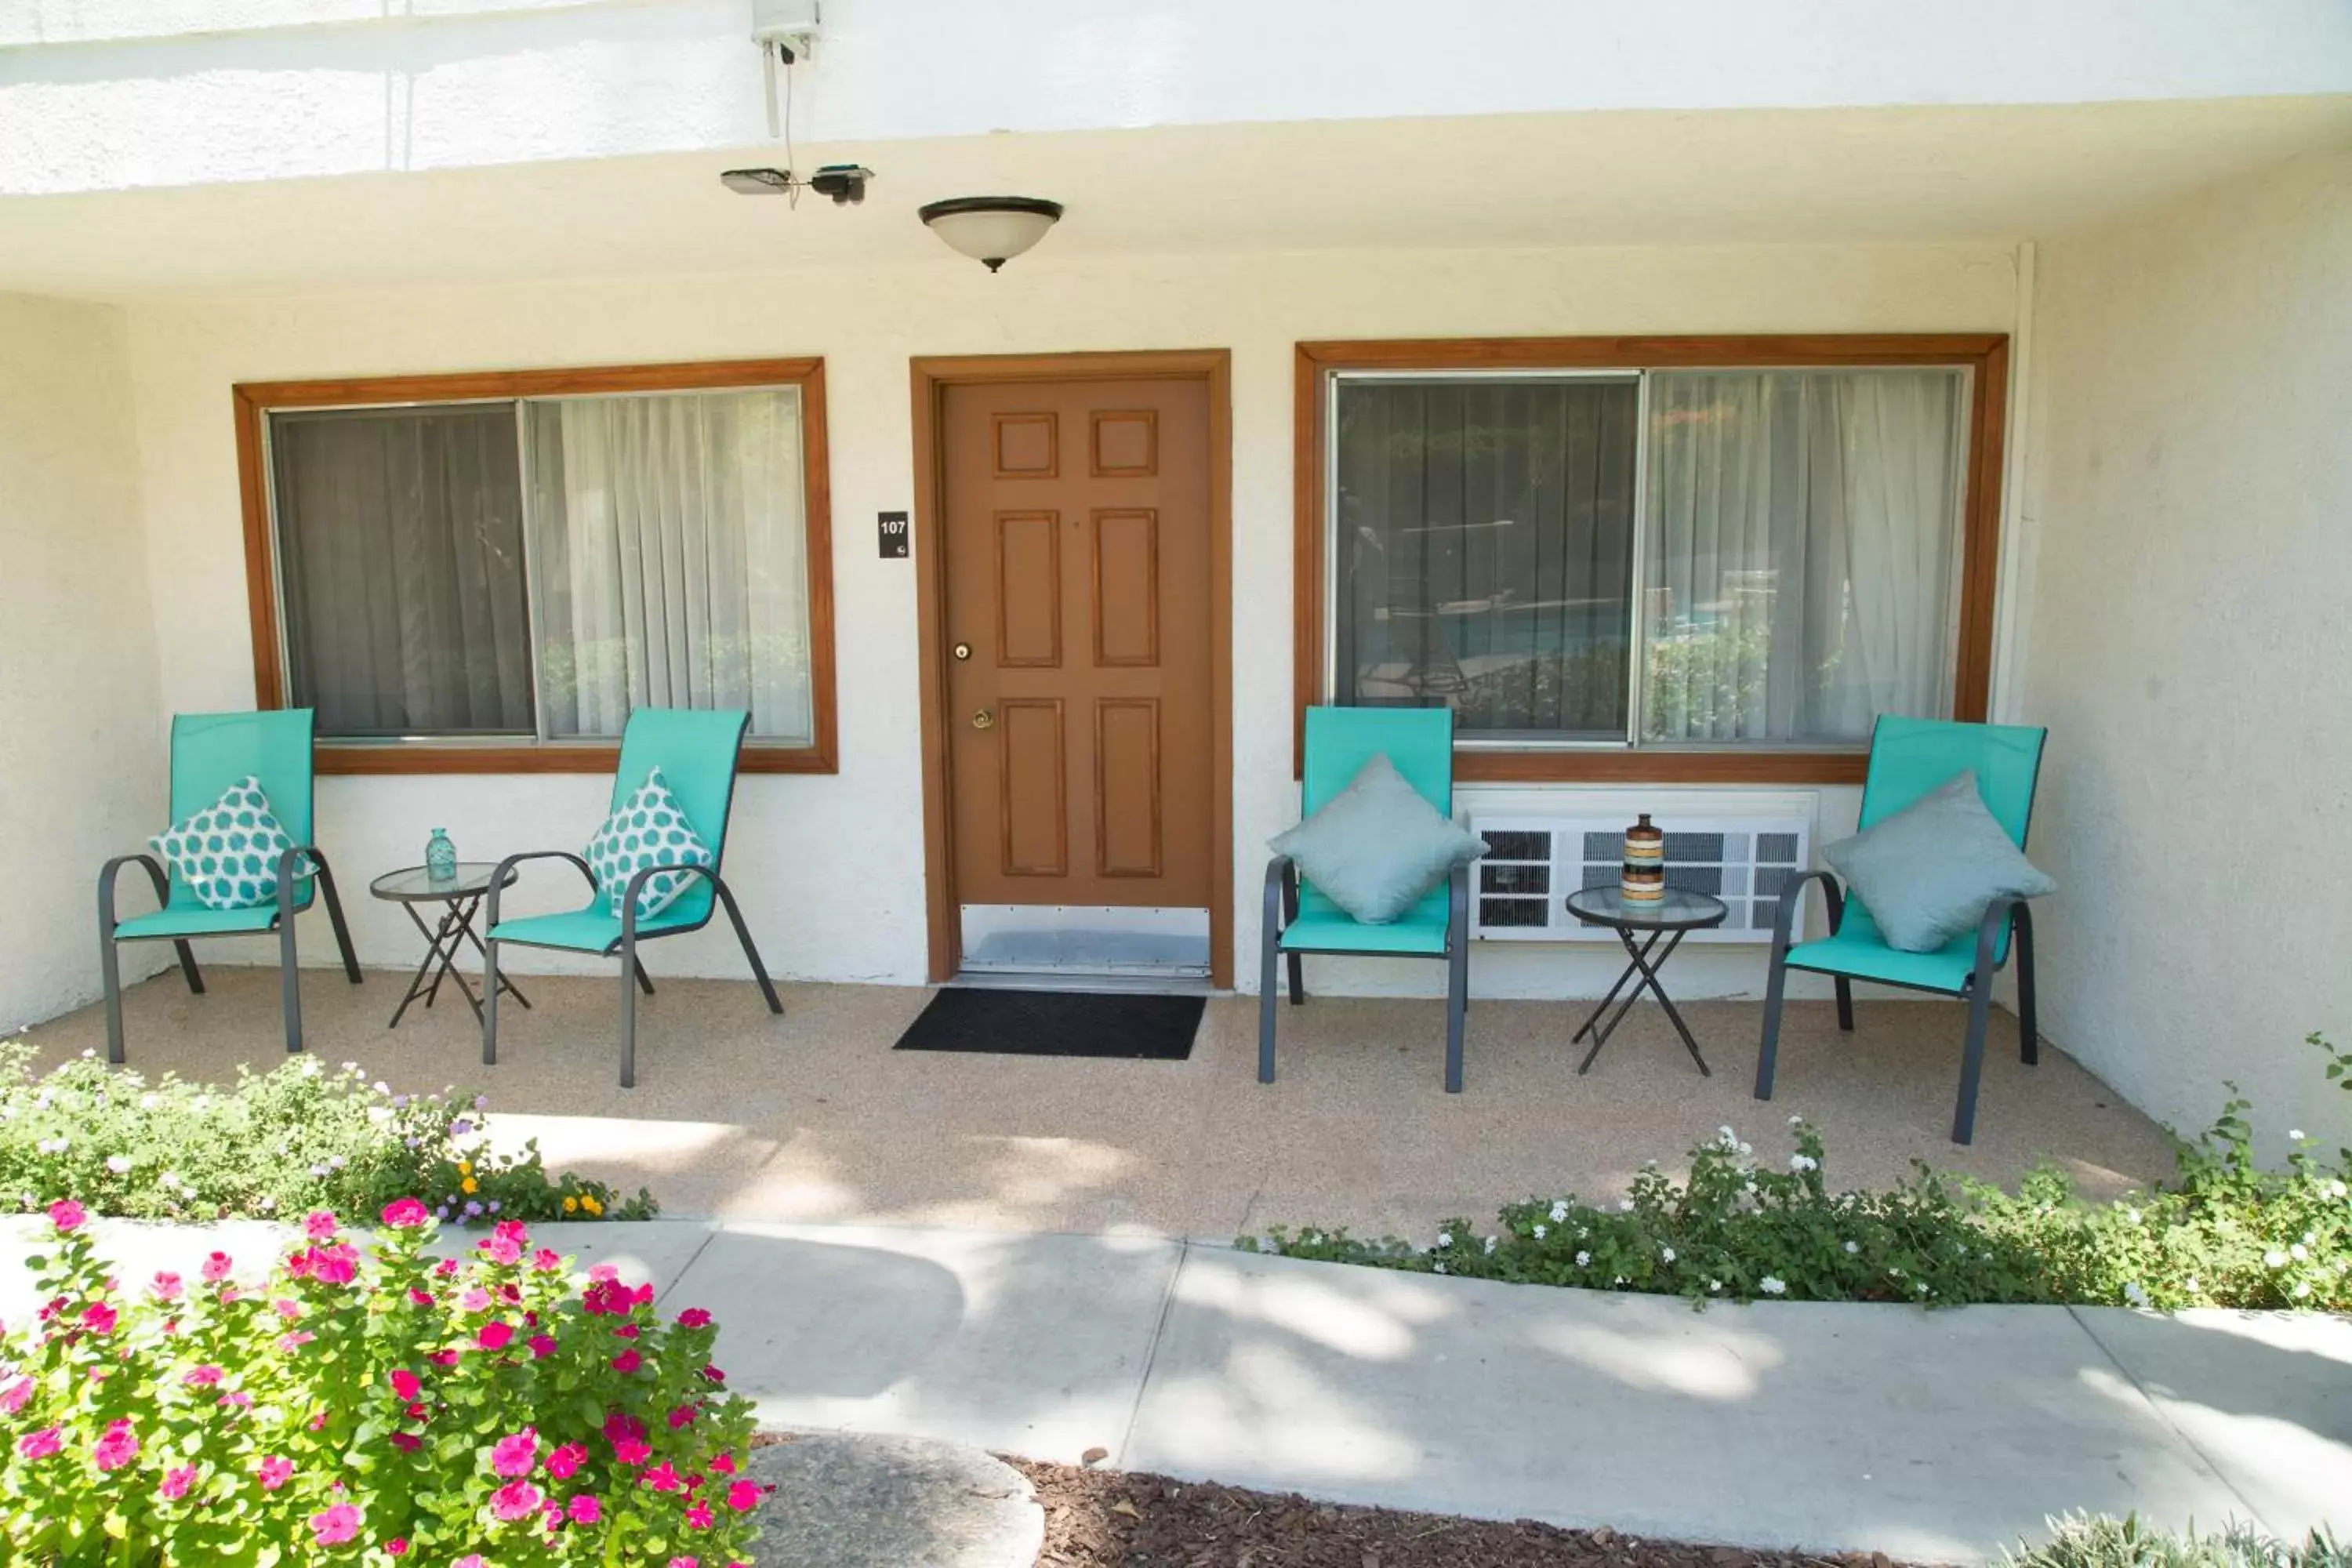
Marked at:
<point>469,1187</point>
<point>570,1204</point>
<point>465,1167</point>
<point>592,1206</point>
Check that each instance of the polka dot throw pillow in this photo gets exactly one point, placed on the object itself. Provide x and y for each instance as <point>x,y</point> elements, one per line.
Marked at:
<point>649,830</point>
<point>228,853</point>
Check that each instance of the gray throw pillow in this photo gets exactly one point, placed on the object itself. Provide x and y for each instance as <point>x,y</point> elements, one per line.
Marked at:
<point>1377,846</point>
<point>1929,872</point>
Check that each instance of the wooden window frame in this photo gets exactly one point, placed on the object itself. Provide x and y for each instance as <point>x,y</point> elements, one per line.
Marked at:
<point>1986,354</point>
<point>255,401</point>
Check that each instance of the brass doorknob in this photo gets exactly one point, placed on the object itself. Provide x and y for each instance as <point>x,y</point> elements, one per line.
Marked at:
<point>983,719</point>
<point>963,650</point>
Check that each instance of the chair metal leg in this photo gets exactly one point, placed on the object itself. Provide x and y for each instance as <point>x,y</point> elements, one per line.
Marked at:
<point>1964,1115</point>
<point>1457,974</point>
<point>335,916</point>
<point>2029,1032</point>
<point>289,981</point>
<point>744,935</point>
<point>490,1003</point>
<point>644,981</point>
<point>1767,1049</point>
<point>1266,1012</point>
<point>628,1005</point>
<point>188,969</point>
<point>111,968</point>
<point>1293,962</point>
<point>1845,1003</point>
<point>1457,1011</point>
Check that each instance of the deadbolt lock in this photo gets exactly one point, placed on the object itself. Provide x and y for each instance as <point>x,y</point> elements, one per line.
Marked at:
<point>963,650</point>
<point>983,719</point>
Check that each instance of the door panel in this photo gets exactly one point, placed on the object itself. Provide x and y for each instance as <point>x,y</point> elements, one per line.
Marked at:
<point>1076,566</point>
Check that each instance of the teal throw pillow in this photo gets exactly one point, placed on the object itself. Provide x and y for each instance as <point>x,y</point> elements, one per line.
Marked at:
<point>1928,873</point>
<point>228,853</point>
<point>1377,846</point>
<point>650,830</point>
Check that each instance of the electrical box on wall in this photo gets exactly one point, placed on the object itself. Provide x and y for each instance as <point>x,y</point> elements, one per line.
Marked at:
<point>788,25</point>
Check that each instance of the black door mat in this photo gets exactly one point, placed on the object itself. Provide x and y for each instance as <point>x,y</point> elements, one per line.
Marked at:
<point>1129,1024</point>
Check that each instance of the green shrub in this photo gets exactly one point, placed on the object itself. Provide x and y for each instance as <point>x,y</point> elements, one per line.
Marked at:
<point>276,1146</point>
<point>368,1409</point>
<point>2223,1233</point>
<point>2101,1541</point>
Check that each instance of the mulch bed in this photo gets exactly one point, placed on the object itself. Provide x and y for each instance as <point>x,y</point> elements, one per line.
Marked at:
<point>1106,1519</point>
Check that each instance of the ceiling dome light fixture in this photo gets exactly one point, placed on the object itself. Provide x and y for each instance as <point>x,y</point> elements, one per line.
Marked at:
<point>991,230</point>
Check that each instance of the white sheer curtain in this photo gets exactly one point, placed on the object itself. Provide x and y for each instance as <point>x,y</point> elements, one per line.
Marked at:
<point>670,552</point>
<point>1803,560</point>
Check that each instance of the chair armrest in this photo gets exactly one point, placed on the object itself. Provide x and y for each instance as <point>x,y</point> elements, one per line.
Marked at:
<point>1792,899</point>
<point>1281,895</point>
<point>1994,920</point>
<point>637,885</point>
<point>105,878</point>
<point>498,877</point>
<point>290,866</point>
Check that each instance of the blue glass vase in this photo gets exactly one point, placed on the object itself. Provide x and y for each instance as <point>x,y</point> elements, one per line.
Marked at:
<point>440,857</point>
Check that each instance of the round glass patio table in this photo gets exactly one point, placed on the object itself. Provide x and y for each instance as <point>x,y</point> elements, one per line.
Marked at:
<point>1667,918</point>
<point>462,894</point>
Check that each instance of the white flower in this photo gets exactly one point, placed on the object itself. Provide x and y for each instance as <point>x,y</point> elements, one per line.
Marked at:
<point>2298,1252</point>
<point>148,1103</point>
<point>2132,1215</point>
<point>1727,1134</point>
<point>1445,1238</point>
<point>1803,1163</point>
<point>2335,1189</point>
<point>2134,1294</point>
<point>1851,1247</point>
<point>1772,1286</point>
<point>318,1170</point>
<point>268,1204</point>
<point>2301,1290</point>
<point>2192,1283</point>
<point>89,1053</point>
<point>1796,1122</point>
<point>1540,1229</point>
<point>2275,1257</point>
<point>381,1087</point>
<point>1584,1260</point>
<point>2294,1133</point>
<point>118,1164</point>
<point>1714,1286</point>
<point>351,1067</point>
<point>1559,1211</point>
<point>202,1103</point>
<point>1441,1269</point>
<point>1746,1149</point>
<point>1625,1205</point>
<point>337,1161</point>
<point>1749,1188</point>
<point>1666,1254</point>
<point>1490,1245</point>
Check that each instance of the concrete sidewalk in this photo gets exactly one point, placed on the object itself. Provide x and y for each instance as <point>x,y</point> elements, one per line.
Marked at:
<point>1934,1435</point>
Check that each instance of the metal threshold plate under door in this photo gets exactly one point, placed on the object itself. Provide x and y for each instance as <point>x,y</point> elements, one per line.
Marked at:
<point>1048,942</point>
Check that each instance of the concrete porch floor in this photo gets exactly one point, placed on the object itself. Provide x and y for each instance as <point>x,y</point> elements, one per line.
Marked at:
<point>812,1118</point>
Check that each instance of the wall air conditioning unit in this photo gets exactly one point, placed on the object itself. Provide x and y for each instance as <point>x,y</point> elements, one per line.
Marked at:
<point>1520,887</point>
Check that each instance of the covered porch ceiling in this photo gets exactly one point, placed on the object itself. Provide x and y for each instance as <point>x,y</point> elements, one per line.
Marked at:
<point>1895,175</point>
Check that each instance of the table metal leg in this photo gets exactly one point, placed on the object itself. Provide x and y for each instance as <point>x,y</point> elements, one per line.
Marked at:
<point>443,942</point>
<point>1638,963</point>
<point>506,986</point>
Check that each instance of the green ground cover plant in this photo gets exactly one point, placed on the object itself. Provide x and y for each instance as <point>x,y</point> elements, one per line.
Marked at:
<point>368,1405</point>
<point>274,1145</point>
<point>2223,1232</point>
<point>2101,1541</point>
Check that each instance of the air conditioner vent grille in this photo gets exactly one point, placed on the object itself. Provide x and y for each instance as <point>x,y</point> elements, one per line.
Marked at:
<point>1534,861</point>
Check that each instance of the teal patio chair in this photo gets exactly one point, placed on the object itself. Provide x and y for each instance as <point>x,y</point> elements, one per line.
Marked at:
<point>210,752</point>
<point>1299,919</point>
<point>697,752</point>
<point>1909,757</point>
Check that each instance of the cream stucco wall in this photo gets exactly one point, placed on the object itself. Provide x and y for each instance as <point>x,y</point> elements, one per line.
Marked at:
<point>830,868</point>
<point>78,672</point>
<point>2189,644</point>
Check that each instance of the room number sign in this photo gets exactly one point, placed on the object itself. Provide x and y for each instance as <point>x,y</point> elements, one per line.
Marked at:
<point>892,526</point>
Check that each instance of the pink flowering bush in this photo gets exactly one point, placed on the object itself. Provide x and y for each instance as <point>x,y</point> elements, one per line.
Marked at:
<point>370,1406</point>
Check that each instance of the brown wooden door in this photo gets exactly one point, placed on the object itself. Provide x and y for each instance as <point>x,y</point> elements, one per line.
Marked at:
<point>1077,556</point>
